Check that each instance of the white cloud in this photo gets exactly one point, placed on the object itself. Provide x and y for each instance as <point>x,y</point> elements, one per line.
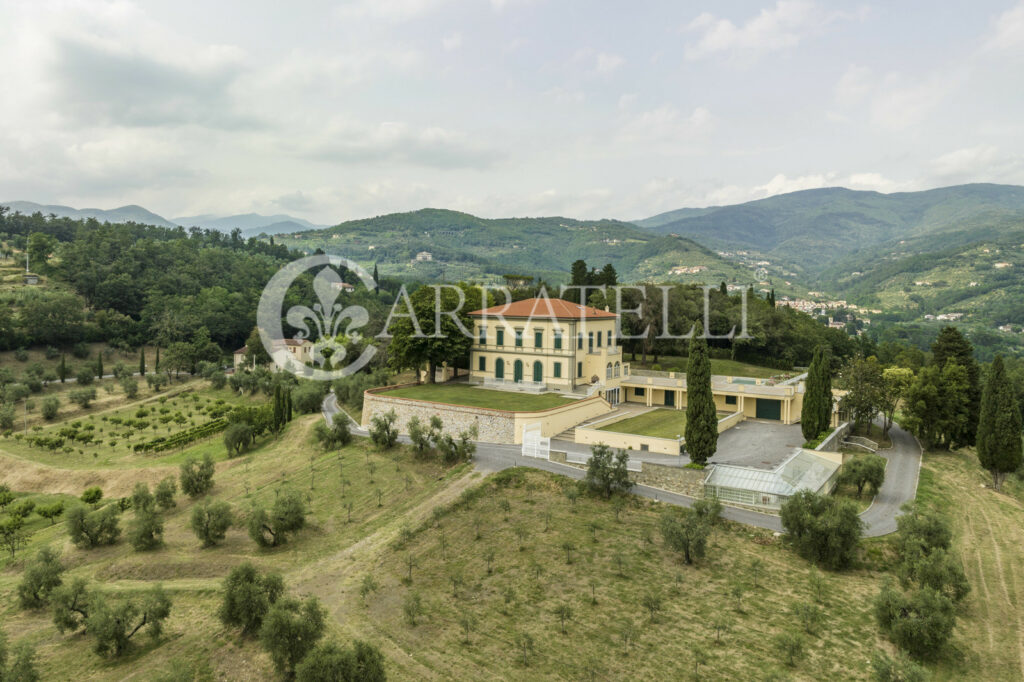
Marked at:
<point>597,62</point>
<point>347,142</point>
<point>666,128</point>
<point>1008,30</point>
<point>782,26</point>
<point>977,164</point>
<point>780,184</point>
<point>452,41</point>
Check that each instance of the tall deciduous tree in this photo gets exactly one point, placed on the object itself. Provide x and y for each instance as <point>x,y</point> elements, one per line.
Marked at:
<point>937,404</point>
<point>895,383</point>
<point>999,426</point>
<point>701,415</point>
<point>863,378</point>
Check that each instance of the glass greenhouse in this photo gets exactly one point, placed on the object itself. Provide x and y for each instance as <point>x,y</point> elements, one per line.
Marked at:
<point>770,488</point>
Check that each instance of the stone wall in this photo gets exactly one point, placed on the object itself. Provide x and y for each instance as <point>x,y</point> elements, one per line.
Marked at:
<point>493,426</point>
<point>674,479</point>
<point>831,444</point>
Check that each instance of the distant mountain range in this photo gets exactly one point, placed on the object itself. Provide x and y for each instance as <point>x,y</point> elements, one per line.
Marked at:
<point>816,228</point>
<point>463,246</point>
<point>251,224</point>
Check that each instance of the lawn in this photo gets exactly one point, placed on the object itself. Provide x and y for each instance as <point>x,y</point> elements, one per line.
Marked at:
<point>724,367</point>
<point>462,394</point>
<point>658,423</point>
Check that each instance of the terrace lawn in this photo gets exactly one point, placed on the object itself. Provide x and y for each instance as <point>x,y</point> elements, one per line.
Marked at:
<point>658,423</point>
<point>719,366</point>
<point>471,396</point>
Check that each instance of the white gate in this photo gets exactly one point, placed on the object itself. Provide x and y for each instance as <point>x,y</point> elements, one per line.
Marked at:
<point>535,445</point>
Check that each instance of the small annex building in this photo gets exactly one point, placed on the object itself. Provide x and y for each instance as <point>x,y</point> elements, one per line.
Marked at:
<point>768,489</point>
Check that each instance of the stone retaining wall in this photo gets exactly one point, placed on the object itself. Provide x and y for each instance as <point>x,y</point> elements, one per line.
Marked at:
<point>493,426</point>
<point>673,479</point>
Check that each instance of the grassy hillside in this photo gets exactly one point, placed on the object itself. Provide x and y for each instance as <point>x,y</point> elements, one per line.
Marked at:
<point>490,565</point>
<point>466,247</point>
<point>814,228</point>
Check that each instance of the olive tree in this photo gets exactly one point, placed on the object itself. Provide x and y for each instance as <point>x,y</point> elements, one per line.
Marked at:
<point>290,630</point>
<point>42,576</point>
<point>286,516</point>
<point>210,522</point>
<point>197,476</point>
<point>248,596</point>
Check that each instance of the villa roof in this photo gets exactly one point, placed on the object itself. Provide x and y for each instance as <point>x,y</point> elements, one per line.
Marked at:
<point>555,308</point>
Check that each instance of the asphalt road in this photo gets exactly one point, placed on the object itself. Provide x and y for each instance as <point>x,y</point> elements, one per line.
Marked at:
<point>900,484</point>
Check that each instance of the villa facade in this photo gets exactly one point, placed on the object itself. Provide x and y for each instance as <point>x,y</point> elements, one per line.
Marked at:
<point>548,344</point>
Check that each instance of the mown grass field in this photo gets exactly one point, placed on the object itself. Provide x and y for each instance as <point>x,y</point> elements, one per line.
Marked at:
<point>723,367</point>
<point>657,423</point>
<point>750,578</point>
<point>462,394</point>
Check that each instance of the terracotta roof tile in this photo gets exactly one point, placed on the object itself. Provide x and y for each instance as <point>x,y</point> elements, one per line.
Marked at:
<point>545,307</point>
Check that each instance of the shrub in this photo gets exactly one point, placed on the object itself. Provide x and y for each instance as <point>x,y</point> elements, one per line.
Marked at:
<point>286,516</point>
<point>791,646</point>
<point>41,577</point>
<point>113,625</point>
<point>308,396</point>
<point>248,596</point>
<point>130,387</point>
<point>92,495</point>
<point>823,529</point>
<point>80,350</point>
<point>334,436</point>
<point>51,406</point>
<point>23,667</point>
<point>862,471</point>
<point>85,376</point>
<point>685,531</point>
<point>919,622</point>
<point>210,522</point>
<point>197,476</point>
<point>606,473</point>
<point>329,662</point>
<point>899,669</point>
<point>89,529</point>
<point>382,430</point>
<point>51,511</point>
<point>146,530</point>
<point>237,438</point>
<point>290,630</point>
<point>82,397</point>
<point>164,493</point>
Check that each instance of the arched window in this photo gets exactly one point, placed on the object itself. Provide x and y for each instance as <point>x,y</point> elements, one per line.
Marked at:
<point>499,369</point>
<point>618,368</point>
<point>608,371</point>
<point>538,372</point>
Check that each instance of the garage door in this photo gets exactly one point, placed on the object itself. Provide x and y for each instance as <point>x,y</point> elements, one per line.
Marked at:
<point>769,409</point>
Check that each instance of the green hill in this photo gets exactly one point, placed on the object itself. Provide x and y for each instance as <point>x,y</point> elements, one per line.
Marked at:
<point>463,246</point>
<point>816,228</point>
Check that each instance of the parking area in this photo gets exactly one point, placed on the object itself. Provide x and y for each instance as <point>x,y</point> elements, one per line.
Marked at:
<point>760,444</point>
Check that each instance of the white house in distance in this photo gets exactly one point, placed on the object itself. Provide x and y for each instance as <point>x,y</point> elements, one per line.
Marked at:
<point>300,350</point>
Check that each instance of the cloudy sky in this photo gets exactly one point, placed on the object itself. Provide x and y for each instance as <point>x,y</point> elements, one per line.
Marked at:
<point>587,108</point>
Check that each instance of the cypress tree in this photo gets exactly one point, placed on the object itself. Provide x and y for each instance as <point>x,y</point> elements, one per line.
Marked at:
<point>142,361</point>
<point>825,377</point>
<point>950,344</point>
<point>278,418</point>
<point>999,426</point>
<point>288,405</point>
<point>157,368</point>
<point>62,369</point>
<point>723,289</point>
<point>701,416</point>
<point>376,280</point>
<point>99,364</point>
<point>811,412</point>
<point>816,413</point>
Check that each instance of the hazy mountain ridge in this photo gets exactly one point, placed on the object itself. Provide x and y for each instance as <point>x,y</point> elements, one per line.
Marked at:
<point>818,227</point>
<point>251,224</point>
<point>463,245</point>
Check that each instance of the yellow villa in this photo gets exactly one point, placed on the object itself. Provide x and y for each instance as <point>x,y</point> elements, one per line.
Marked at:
<point>548,344</point>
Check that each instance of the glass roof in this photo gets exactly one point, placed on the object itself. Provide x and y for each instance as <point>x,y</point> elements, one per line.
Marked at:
<point>804,470</point>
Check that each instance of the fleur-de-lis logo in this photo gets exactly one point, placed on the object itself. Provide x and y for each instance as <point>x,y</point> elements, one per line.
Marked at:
<point>325,330</point>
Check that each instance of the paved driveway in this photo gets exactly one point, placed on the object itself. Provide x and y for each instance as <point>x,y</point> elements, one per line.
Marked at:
<point>880,519</point>
<point>758,444</point>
